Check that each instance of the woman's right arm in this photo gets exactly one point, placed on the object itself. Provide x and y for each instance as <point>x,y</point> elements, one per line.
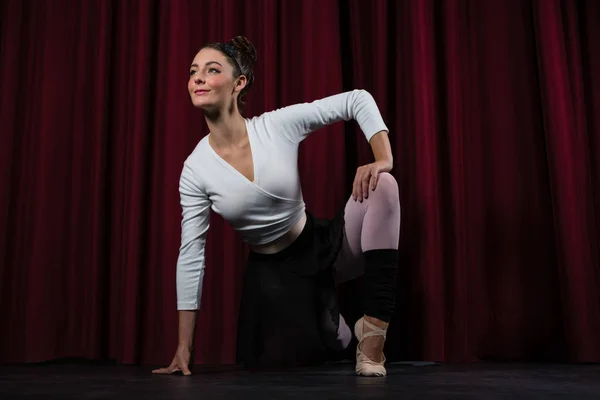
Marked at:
<point>195,222</point>
<point>187,325</point>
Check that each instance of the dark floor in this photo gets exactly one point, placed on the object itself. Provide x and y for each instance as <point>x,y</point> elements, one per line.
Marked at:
<point>338,381</point>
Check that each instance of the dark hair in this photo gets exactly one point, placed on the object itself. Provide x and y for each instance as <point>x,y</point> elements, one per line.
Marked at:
<point>241,54</point>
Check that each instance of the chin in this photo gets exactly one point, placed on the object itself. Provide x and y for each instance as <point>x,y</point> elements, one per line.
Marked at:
<point>210,109</point>
<point>203,105</point>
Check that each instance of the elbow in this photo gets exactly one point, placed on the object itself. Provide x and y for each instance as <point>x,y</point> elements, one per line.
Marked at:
<point>364,93</point>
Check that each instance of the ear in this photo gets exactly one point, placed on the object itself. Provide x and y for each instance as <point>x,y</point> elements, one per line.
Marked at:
<point>240,83</point>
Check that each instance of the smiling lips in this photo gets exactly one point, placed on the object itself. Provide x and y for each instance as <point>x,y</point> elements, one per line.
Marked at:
<point>200,92</point>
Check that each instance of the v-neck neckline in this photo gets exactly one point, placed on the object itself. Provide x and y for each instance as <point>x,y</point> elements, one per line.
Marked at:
<point>231,167</point>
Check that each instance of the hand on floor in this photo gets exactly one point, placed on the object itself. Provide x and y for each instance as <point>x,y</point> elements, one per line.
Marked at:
<point>180,363</point>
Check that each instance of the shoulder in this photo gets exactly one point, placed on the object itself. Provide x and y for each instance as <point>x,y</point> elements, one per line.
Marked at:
<point>195,158</point>
<point>195,165</point>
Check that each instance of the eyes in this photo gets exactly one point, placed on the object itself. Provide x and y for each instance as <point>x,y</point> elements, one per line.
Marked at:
<point>210,70</point>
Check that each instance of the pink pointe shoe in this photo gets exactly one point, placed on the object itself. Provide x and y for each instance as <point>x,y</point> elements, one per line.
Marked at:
<point>364,365</point>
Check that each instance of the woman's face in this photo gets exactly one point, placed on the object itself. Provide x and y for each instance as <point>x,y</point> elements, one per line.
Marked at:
<point>212,84</point>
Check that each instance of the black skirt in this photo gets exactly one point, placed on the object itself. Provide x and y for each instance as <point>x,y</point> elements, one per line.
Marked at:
<point>284,296</point>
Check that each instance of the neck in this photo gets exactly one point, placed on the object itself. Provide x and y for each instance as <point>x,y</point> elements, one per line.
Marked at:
<point>227,127</point>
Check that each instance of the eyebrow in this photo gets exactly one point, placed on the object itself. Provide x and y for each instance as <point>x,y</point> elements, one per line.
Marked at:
<point>206,64</point>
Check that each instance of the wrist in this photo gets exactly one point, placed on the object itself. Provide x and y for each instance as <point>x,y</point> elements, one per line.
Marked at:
<point>385,165</point>
<point>185,346</point>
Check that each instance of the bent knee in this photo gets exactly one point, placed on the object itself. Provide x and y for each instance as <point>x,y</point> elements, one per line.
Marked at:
<point>387,188</point>
<point>387,180</point>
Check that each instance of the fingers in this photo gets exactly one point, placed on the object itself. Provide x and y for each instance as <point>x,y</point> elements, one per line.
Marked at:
<point>356,190</point>
<point>167,371</point>
<point>173,368</point>
<point>360,187</point>
<point>373,181</point>
<point>162,371</point>
<point>185,370</point>
<point>366,180</point>
<point>364,185</point>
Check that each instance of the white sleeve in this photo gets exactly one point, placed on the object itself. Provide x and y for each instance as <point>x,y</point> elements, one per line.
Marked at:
<point>297,121</point>
<point>194,227</point>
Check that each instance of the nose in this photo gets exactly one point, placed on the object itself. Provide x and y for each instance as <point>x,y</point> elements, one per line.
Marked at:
<point>198,79</point>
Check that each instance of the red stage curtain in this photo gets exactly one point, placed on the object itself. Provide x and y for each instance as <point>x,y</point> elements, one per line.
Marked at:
<point>493,109</point>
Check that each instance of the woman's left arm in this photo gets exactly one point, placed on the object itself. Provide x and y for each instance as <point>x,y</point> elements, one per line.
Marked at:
<point>296,122</point>
<point>367,175</point>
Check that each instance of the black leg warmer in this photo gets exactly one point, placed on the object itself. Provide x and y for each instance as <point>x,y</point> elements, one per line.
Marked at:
<point>380,283</point>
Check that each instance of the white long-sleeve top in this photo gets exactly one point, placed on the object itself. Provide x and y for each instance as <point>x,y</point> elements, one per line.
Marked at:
<point>268,207</point>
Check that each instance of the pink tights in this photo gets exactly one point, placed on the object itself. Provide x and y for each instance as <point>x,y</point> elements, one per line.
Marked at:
<point>371,224</point>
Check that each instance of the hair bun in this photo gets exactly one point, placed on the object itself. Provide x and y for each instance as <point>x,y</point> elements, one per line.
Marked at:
<point>245,49</point>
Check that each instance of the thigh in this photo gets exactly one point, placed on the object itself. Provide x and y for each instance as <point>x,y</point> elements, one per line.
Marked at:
<point>349,263</point>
